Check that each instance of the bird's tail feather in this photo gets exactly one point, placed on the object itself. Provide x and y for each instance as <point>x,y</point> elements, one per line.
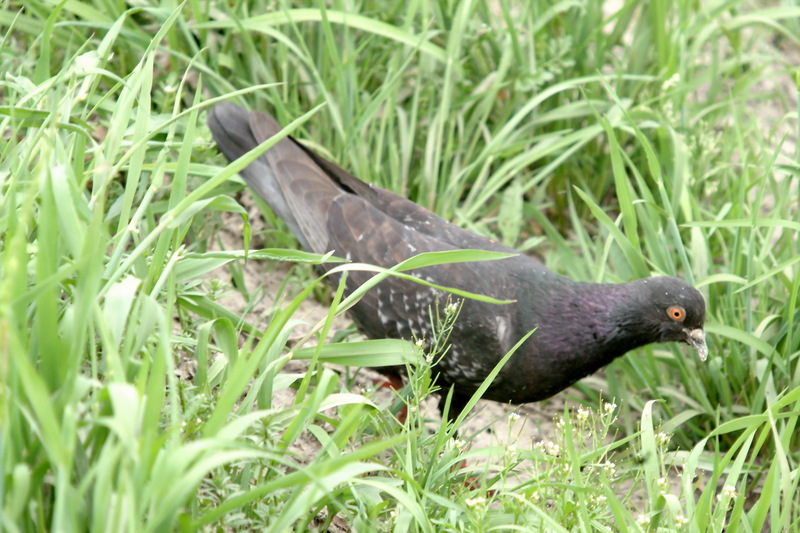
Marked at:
<point>291,183</point>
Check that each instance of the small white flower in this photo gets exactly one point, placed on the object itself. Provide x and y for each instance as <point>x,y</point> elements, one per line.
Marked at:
<point>458,444</point>
<point>671,82</point>
<point>681,520</point>
<point>669,111</point>
<point>610,468</point>
<point>536,496</point>
<point>558,422</point>
<point>420,343</point>
<point>551,448</point>
<point>609,407</point>
<point>513,417</point>
<point>451,309</point>
<point>511,451</point>
<point>583,413</point>
<point>643,520</point>
<point>663,438</point>
<point>474,502</point>
<point>728,491</point>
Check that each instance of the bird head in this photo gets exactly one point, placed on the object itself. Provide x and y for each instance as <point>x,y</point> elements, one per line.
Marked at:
<point>677,312</point>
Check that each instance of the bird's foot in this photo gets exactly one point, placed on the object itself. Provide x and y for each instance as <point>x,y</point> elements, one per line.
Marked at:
<point>394,383</point>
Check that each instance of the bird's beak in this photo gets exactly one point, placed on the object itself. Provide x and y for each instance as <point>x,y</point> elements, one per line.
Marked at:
<point>696,338</point>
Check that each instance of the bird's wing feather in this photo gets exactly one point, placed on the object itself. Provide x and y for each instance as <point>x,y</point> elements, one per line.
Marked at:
<point>404,210</point>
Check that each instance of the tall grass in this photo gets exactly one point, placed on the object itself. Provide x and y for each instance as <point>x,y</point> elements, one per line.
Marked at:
<point>658,138</point>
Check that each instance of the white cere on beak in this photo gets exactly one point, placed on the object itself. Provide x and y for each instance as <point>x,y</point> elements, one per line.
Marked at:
<point>697,339</point>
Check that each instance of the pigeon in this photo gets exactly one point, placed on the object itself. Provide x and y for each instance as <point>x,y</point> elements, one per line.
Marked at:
<point>578,327</point>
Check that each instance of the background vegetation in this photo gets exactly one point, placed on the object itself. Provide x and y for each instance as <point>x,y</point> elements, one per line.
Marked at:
<point>615,141</point>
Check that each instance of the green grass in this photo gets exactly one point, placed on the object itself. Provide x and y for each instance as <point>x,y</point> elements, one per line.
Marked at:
<point>657,139</point>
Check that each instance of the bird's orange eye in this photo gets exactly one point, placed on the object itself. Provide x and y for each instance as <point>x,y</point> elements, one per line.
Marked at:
<point>676,312</point>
